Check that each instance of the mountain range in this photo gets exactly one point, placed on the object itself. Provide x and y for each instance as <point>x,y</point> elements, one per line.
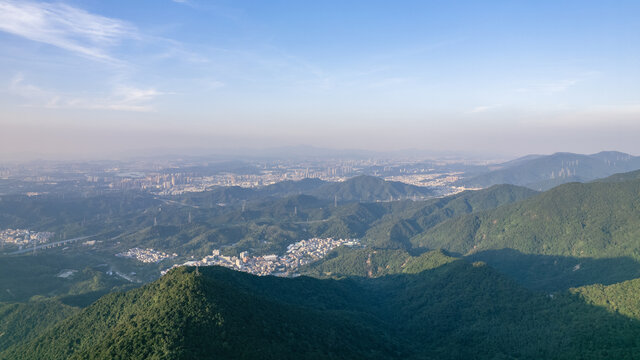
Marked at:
<point>362,188</point>
<point>543,172</point>
<point>505,272</point>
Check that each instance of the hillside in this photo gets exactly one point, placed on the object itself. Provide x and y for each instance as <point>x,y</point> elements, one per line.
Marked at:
<point>398,226</point>
<point>622,177</point>
<point>545,172</point>
<point>366,188</point>
<point>582,229</point>
<point>582,220</point>
<point>20,322</point>
<point>362,188</point>
<point>375,263</point>
<point>268,225</point>
<point>187,316</point>
<point>456,310</point>
<point>622,298</point>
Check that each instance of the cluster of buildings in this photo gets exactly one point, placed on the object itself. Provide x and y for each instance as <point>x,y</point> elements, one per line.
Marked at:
<point>297,254</point>
<point>442,183</point>
<point>178,176</point>
<point>24,236</point>
<point>146,255</point>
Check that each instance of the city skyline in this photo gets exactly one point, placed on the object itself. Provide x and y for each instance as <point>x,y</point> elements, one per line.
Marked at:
<point>88,79</point>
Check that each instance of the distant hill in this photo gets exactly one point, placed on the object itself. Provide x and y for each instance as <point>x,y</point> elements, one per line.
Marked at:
<point>596,219</point>
<point>290,187</point>
<point>544,172</point>
<point>398,226</point>
<point>362,188</point>
<point>585,226</point>
<point>195,223</point>
<point>622,177</point>
<point>370,188</point>
<point>453,311</point>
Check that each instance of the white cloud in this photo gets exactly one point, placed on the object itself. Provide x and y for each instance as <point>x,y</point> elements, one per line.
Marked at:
<point>65,27</point>
<point>121,98</point>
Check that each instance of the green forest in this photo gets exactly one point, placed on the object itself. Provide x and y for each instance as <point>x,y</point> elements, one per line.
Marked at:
<point>503,272</point>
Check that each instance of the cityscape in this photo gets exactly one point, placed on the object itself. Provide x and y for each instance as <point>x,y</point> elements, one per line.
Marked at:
<point>176,177</point>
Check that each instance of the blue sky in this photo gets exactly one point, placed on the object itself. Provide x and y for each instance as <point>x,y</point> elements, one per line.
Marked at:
<point>508,77</point>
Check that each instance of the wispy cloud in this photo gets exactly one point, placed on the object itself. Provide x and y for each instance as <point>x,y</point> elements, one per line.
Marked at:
<point>483,108</point>
<point>550,87</point>
<point>65,27</point>
<point>557,86</point>
<point>214,84</point>
<point>390,82</point>
<point>120,98</point>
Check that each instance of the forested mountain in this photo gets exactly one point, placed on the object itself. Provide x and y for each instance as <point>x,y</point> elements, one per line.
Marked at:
<point>566,272</point>
<point>73,213</point>
<point>20,322</point>
<point>362,188</point>
<point>574,234</point>
<point>366,188</point>
<point>595,220</point>
<point>375,263</point>
<point>628,176</point>
<point>622,298</point>
<point>544,172</point>
<point>456,310</point>
<point>398,226</point>
<point>188,225</point>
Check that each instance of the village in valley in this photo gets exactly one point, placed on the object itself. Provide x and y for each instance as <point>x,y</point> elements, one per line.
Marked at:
<point>297,254</point>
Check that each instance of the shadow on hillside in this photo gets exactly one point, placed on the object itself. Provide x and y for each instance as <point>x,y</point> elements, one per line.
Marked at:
<point>555,273</point>
<point>456,311</point>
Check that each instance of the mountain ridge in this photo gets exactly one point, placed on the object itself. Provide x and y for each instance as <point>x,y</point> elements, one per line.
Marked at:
<point>455,310</point>
<point>543,172</point>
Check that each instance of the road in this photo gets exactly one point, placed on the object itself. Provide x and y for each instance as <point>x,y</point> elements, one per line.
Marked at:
<point>49,245</point>
<point>173,202</point>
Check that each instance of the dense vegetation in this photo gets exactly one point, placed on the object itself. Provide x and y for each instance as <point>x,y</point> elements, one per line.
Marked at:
<point>457,310</point>
<point>399,225</point>
<point>622,298</point>
<point>189,316</point>
<point>363,188</point>
<point>27,276</point>
<point>21,322</point>
<point>402,295</point>
<point>195,224</point>
<point>582,220</point>
<point>375,263</point>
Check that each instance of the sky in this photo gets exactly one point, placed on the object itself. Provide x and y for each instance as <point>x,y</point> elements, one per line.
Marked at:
<point>114,78</point>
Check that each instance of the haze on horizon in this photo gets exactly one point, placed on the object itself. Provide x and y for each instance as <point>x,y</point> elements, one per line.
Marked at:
<point>94,79</point>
